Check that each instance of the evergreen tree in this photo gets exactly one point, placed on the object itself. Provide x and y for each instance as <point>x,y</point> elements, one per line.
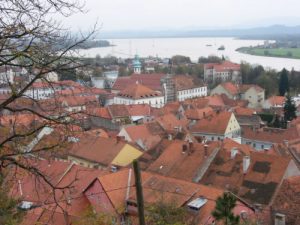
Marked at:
<point>289,109</point>
<point>283,82</point>
<point>223,210</point>
<point>9,212</point>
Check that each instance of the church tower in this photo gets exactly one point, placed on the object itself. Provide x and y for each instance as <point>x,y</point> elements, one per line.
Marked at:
<point>137,65</point>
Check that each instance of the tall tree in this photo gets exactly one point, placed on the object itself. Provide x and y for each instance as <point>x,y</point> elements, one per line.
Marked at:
<point>32,40</point>
<point>223,210</point>
<point>283,82</point>
<point>289,109</point>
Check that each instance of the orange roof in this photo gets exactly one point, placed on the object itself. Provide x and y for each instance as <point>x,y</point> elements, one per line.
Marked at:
<point>157,188</point>
<point>19,119</point>
<point>174,163</point>
<point>215,124</point>
<point>184,82</point>
<point>170,121</point>
<point>215,100</point>
<point>97,149</point>
<point>139,110</point>
<point>223,66</point>
<point>276,100</point>
<point>197,114</point>
<point>243,111</point>
<point>100,112</point>
<point>152,81</point>
<point>272,135</point>
<point>245,87</point>
<point>287,200</point>
<point>260,182</point>
<point>138,91</point>
<point>230,87</point>
<point>229,144</point>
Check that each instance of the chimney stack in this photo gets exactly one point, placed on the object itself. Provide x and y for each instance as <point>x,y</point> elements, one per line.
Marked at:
<point>233,152</point>
<point>118,138</point>
<point>184,149</point>
<point>205,150</point>
<point>246,163</point>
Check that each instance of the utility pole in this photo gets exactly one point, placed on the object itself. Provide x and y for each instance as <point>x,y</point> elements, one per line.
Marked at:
<point>139,192</point>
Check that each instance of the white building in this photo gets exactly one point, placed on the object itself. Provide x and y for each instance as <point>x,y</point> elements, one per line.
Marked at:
<point>8,74</point>
<point>185,88</point>
<point>217,127</point>
<point>139,94</point>
<point>222,72</point>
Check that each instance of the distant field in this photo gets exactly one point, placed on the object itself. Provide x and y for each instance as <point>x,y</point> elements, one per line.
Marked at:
<point>274,52</point>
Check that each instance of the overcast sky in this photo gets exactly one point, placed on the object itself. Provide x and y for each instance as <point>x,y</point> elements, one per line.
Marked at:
<point>117,15</point>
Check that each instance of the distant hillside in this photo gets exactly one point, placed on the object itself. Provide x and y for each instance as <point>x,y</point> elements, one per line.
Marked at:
<point>270,32</point>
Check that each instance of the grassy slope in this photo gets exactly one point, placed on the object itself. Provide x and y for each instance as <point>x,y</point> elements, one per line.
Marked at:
<point>276,52</point>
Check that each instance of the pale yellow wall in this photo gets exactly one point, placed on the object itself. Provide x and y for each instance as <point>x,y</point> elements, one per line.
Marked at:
<point>233,125</point>
<point>126,156</point>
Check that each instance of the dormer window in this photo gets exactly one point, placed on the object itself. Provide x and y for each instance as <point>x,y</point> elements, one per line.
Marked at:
<point>197,203</point>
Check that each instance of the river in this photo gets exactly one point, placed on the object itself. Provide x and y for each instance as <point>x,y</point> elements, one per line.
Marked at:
<point>192,47</point>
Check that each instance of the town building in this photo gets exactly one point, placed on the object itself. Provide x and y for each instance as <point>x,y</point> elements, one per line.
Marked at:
<point>217,127</point>
<point>255,177</point>
<point>140,94</point>
<point>274,102</point>
<point>137,65</point>
<point>254,94</point>
<point>222,72</point>
<point>97,152</point>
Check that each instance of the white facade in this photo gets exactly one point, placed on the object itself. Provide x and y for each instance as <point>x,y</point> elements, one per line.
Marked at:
<point>255,98</point>
<point>211,75</point>
<point>39,93</point>
<point>156,101</point>
<point>191,93</point>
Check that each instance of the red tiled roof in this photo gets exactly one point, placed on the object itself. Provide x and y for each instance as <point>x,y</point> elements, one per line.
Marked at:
<point>216,124</point>
<point>272,135</point>
<point>97,149</point>
<point>152,81</point>
<point>223,66</point>
<point>184,82</point>
<point>245,87</point>
<point>170,121</point>
<point>230,87</point>
<point>197,114</point>
<point>138,91</point>
<point>139,110</point>
<point>257,185</point>
<point>174,163</point>
<point>276,100</point>
<point>287,200</point>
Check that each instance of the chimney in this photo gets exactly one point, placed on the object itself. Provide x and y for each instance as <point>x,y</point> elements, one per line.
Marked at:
<point>184,149</point>
<point>233,152</point>
<point>246,163</point>
<point>20,187</point>
<point>288,124</point>
<point>191,145</point>
<point>118,139</point>
<point>279,219</point>
<point>205,150</point>
<point>286,143</point>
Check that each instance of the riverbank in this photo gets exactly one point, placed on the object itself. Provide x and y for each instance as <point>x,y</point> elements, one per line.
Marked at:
<point>290,53</point>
